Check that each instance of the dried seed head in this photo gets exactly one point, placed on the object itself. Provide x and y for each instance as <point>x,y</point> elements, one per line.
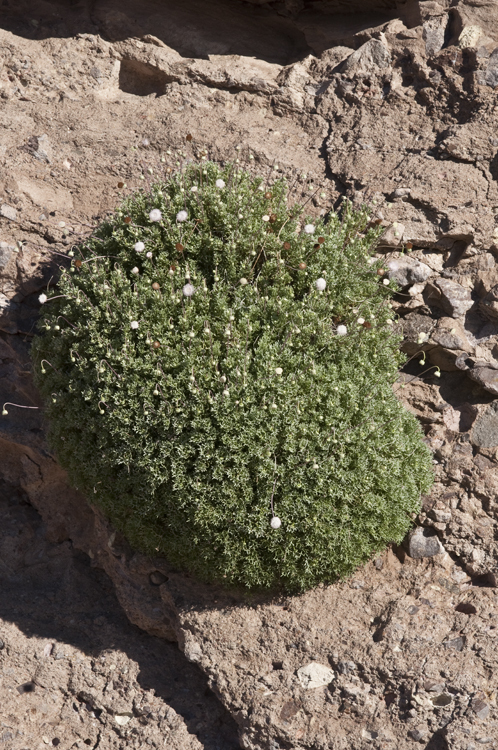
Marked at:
<point>156,286</point>
<point>302,266</point>
<point>156,344</point>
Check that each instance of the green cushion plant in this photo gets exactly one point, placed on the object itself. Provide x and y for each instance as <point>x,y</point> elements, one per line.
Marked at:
<point>218,376</point>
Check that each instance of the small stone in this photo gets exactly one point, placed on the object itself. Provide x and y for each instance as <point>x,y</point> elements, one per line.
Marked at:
<point>417,734</point>
<point>480,708</point>
<point>123,719</point>
<point>157,578</point>
<point>424,542</point>
<point>485,430</point>
<point>315,675</point>
<point>2,644</point>
<point>408,271</point>
<point>401,192</point>
<point>455,299</point>
<point>346,667</point>
<point>456,644</point>
<point>8,212</point>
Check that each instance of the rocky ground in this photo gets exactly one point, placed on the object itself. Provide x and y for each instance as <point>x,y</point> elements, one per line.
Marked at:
<point>394,105</point>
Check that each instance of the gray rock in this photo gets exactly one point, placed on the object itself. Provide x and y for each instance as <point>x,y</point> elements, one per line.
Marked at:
<point>455,299</point>
<point>424,542</point>
<point>480,708</point>
<point>408,271</point>
<point>485,430</point>
<point>456,644</point>
<point>8,212</point>
<point>401,192</point>
<point>491,75</point>
<point>5,254</point>
<point>417,734</point>
<point>433,34</point>
<point>157,578</point>
<point>371,57</point>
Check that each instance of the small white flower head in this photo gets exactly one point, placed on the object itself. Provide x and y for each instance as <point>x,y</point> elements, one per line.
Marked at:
<point>261,187</point>
<point>188,290</point>
<point>278,371</point>
<point>149,254</point>
<point>243,282</point>
<point>139,247</point>
<point>182,216</point>
<point>134,325</point>
<point>385,282</point>
<point>309,229</point>
<point>220,183</point>
<point>135,270</point>
<point>193,189</point>
<point>360,321</point>
<point>341,330</point>
<point>226,392</point>
<point>155,215</point>
<point>266,217</point>
<point>42,299</point>
<point>275,522</point>
<point>320,284</point>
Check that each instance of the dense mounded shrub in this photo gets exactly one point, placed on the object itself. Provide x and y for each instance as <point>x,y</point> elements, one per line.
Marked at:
<point>218,376</point>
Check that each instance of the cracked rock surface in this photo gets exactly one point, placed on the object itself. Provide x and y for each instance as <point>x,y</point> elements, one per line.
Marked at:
<point>393,104</point>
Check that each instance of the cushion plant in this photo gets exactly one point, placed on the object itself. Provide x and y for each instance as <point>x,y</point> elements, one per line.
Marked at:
<point>218,373</point>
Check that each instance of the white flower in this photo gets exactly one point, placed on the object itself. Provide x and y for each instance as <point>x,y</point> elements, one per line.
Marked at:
<point>193,189</point>
<point>243,282</point>
<point>309,228</point>
<point>188,290</point>
<point>155,215</point>
<point>261,187</point>
<point>341,330</point>
<point>320,284</point>
<point>226,392</point>
<point>275,522</point>
<point>134,325</point>
<point>139,247</point>
<point>42,299</point>
<point>135,270</point>
<point>385,282</point>
<point>360,321</point>
<point>266,217</point>
<point>278,371</point>
<point>182,216</point>
<point>220,183</point>
<point>149,254</point>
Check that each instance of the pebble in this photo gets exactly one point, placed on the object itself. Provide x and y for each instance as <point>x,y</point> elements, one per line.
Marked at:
<point>157,578</point>
<point>455,643</point>
<point>424,542</point>
<point>315,675</point>
<point>8,212</point>
<point>480,708</point>
<point>2,644</point>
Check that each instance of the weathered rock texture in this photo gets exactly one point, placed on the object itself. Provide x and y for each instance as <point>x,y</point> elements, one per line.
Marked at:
<point>399,111</point>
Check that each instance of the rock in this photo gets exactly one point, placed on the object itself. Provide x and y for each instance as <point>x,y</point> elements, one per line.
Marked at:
<point>423,542</point>
<point>450,334</point>
<point>8,212</point>
<point>418,734</point>
<point>455,299</point>
<point>43,151</point>
<point>406,270</point>
<point>5,254</point>
<point>457,644</point>
<point>401,193</point>
<point>157,578</point>
<point>393,236</point>
<point>489,304</point>
<point>469,37</point>
<point>315,675</point>
<point>491,74</point>
<point>371,58</point>
<point>485,430</point>
<point>480,708</point>
<point>434,30</point>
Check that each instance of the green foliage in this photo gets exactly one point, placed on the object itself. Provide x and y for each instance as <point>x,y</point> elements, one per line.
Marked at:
<point>247,395</point>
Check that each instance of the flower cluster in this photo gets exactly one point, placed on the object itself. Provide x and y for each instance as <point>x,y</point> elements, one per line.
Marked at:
<point>220,383</point>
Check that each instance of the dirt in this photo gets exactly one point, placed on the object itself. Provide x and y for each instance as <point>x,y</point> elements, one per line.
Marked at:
<point>394,105</point>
